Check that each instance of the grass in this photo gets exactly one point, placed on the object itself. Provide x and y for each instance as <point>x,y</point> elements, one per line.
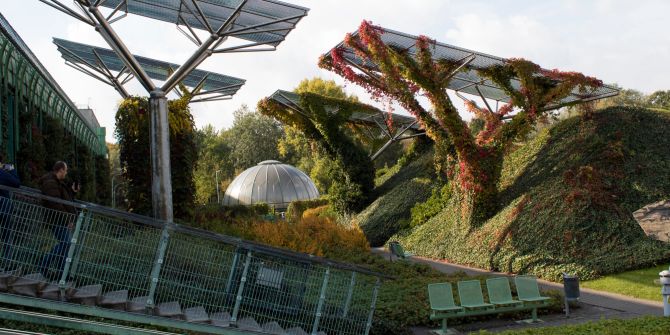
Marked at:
<point>641,326</point>
<point>636,283</point>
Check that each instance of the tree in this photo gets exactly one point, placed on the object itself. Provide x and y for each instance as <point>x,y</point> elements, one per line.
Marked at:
<point>252,139</point>
<point>659,99</point>
<point>213,155</point>
<point>132,133</point>
<point>474,161</point>
<point>626,97</point>
<point>322,120</point>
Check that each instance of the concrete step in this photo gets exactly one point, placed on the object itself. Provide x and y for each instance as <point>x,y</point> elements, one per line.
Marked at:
<point>196,314</point>
<point>8,277</point>
<point>115,300</point>
<point>52,291</point>
<point>273,328</point>
<point>296,331</point>
<point>249,323</point>
<point>170,309</point>
<point>88,295</point>
<point>137,305</point>
<point>220,319</point>
<point>29,285</point>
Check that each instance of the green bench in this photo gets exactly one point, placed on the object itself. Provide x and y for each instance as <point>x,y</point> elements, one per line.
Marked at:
<point>397,250</point>
<point>443,306</point>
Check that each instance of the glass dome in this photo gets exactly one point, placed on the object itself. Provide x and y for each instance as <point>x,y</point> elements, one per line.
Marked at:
<point>270,182</point>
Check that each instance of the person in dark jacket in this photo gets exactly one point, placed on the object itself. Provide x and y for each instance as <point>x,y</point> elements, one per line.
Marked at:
<point>53,184</point>
<point>8,177</point>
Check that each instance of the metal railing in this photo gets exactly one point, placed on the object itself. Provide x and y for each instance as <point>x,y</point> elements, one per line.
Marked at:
<point>159,262</point>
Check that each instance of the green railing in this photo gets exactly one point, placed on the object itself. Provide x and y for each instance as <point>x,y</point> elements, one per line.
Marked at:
<point>159,263</point>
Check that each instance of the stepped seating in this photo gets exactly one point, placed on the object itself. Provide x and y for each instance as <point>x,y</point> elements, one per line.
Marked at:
<point>36,285</point>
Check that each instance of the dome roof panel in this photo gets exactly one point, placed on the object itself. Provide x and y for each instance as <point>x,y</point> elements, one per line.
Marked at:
<point>270,182</point>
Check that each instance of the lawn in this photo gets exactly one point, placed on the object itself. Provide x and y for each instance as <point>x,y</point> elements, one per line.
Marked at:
<point>636,283</point>
<point>642,326</point>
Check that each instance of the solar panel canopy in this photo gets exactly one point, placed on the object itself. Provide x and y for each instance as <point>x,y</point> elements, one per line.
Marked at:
<point>467,80</point>
<point>86,54</point>
<point>291,99</point>
<point>254,12</point>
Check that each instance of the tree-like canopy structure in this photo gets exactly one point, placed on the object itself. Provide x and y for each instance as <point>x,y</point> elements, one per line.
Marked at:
<point>402,73</point>
<point>323,120</point>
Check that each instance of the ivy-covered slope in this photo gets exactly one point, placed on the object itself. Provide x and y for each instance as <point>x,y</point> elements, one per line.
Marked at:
<point>566,199</point>
<point>399,188</point>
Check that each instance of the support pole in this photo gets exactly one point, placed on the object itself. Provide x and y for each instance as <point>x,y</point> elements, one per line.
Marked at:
<point>322,300</point>
<point>372,306</point>
<point>156,269</point>
<point>83,215</point>
<point>161,182</point>
<point>240,289</point>
<point>350,293</point>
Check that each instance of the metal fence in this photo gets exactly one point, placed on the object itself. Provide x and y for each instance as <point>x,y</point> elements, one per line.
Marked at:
<point>236,282</point>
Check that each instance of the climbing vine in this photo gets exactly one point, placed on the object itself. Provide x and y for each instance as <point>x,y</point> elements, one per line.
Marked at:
<point>473,160</point>
<point>323,121</point>
<point>133,133</point>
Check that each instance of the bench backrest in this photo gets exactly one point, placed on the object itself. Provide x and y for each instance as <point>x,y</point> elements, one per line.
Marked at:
<point>440,295</point>
<point>470,292</point>
<point>397,249</point>
<point>526,287</point>
<point>499,290</point>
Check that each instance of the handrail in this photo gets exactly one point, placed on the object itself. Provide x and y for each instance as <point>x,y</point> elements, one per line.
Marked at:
<point>244,244</point>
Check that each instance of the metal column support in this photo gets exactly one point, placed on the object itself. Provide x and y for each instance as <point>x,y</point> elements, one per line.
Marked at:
<point>83,215</point>
<point>156,270</point>
<point>81,240</point>
<point>350,293</point>
<point>322,300</point>
<point>393,139</point>
<point>238,298</point>
<point>236,259</point>
<point>375,291</point>
<point>161,182</point>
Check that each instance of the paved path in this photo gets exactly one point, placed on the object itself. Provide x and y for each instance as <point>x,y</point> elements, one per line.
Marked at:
<point>594,305</point>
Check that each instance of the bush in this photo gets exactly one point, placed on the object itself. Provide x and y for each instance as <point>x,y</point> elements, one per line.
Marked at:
<point>296,208</point>
<point>315,235</point>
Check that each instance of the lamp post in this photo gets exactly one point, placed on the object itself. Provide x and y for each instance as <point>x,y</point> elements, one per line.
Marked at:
<point>114,175</point>
<point>218,192</point>
<point>114,193</point>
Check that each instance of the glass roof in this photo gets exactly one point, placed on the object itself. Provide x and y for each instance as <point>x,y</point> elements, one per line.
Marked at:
<point>287,98</point>
<point>254,12</point>
<point>158,70</point>
<point>467,80</point>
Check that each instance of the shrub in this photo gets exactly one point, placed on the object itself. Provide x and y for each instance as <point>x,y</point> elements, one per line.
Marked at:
<point>316,235</point>
<point>296,208</point>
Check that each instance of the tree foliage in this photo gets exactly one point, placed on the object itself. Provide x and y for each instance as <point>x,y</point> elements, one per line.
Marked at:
<point>322,120</point>
<point>133,124</point>
<point>474,160</point>
<point>252,138</point>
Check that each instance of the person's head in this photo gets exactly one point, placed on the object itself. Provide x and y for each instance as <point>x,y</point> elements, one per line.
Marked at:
<point>60,170</point>
<point>2,158</point>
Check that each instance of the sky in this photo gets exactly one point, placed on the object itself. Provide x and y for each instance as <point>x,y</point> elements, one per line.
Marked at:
<point>619,41</point>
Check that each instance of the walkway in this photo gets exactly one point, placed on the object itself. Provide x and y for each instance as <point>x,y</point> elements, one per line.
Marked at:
<point>594,305</point>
